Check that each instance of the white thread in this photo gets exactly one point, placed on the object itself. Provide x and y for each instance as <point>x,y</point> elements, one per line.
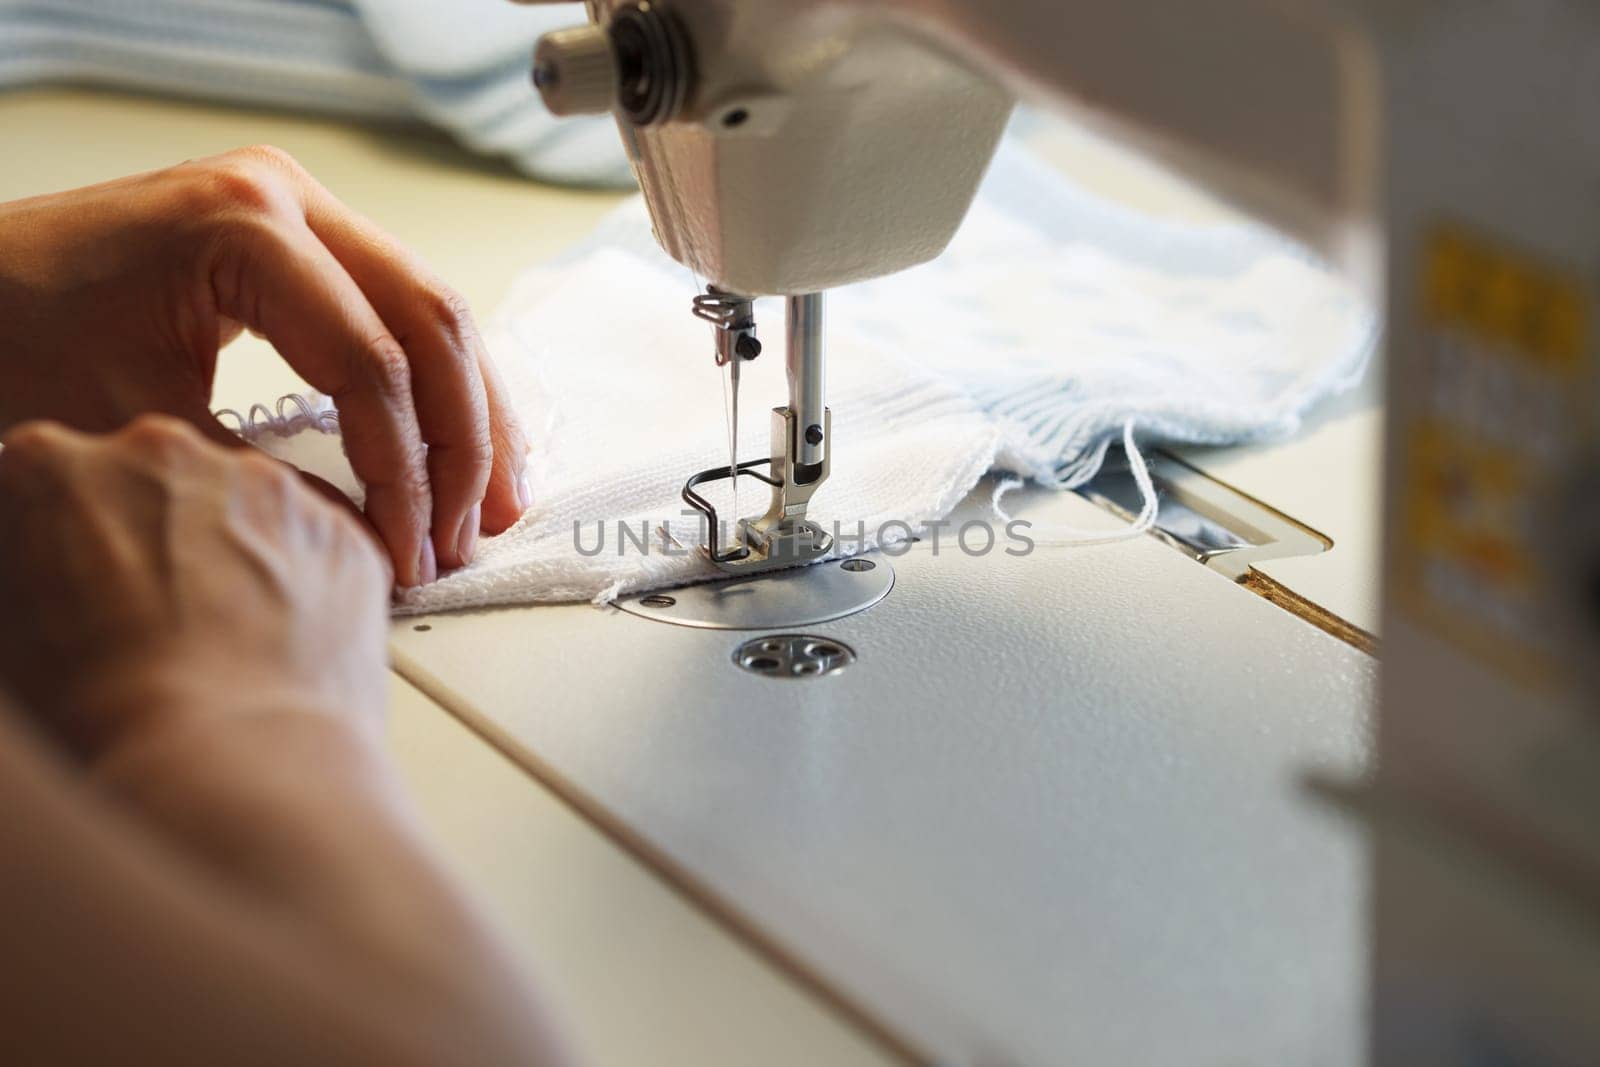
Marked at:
<point>730,411</point>
<point>1072,538</point>
<point>1009,484</point>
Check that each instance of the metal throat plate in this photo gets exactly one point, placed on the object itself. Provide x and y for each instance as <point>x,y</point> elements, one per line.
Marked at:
<point>781,600</point>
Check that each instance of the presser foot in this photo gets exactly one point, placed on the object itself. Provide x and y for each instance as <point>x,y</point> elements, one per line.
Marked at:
<point>774,542</point>
<point>783,537</point>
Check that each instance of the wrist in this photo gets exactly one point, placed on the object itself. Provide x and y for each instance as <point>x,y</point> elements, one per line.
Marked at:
<point>246,740</point>
<point>250,782</point>
<point>297,808</point>
<point>162,700</point>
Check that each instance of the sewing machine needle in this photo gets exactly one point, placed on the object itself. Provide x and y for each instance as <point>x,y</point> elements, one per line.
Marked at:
<point>733,431</point>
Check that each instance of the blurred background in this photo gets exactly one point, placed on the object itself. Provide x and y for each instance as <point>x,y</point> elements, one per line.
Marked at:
<point>460,66</point>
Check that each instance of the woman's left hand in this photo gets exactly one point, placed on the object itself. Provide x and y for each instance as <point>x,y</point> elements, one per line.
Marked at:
<point>115,299</point>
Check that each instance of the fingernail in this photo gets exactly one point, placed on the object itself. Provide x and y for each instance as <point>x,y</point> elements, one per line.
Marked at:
<point>428,564</point>
<point>524,492</point>
<point>467,540</point>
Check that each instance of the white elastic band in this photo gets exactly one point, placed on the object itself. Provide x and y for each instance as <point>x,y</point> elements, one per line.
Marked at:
<point>288,416</point>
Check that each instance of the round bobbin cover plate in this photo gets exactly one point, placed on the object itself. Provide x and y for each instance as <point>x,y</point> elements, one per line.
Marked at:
<point>779,600</point>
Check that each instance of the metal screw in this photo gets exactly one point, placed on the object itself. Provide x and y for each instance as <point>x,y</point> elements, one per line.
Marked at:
<point>658,601</point>
<point>858,566</point>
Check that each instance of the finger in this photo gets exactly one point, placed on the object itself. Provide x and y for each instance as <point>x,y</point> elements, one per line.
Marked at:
<point>510,489</point>
<point>24,446</point>
<point>228,332</point>
<point>32,457</point>
<point>275,276</point>
<point>26,436</point>
<point>476,444</point>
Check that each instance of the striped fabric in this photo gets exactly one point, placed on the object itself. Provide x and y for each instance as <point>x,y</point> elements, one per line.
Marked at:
<point>460,64</point>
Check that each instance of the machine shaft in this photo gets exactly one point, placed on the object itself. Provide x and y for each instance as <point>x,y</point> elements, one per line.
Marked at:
<point>807,384</point>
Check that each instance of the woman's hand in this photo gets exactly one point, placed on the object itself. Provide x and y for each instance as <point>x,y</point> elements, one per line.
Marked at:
<point>116,299</point>
<point>243,881</point>
<point>155,578</point>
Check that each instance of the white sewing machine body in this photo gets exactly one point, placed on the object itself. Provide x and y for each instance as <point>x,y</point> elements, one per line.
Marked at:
<point>1054,808</point>
<point>800,166</point>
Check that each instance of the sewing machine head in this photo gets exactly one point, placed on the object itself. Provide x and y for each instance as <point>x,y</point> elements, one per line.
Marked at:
<point>784,148</point>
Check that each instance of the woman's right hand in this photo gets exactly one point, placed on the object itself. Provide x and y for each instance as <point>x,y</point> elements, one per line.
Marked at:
<point>207,634</point>
<point>151,575</point>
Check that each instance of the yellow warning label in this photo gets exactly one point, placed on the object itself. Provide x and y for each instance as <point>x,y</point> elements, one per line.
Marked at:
<point>1525,312</point>
<point>1503,406</point>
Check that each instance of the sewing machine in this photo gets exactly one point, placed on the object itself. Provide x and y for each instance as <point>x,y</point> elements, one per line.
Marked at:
<point>785,176</point>
<point>1443,153</point>
<point>787,149</point>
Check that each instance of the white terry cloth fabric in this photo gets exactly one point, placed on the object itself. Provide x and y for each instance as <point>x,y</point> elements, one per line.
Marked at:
<point>463,65</point>
<point>1055,322</point>
<point>622,400</point>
